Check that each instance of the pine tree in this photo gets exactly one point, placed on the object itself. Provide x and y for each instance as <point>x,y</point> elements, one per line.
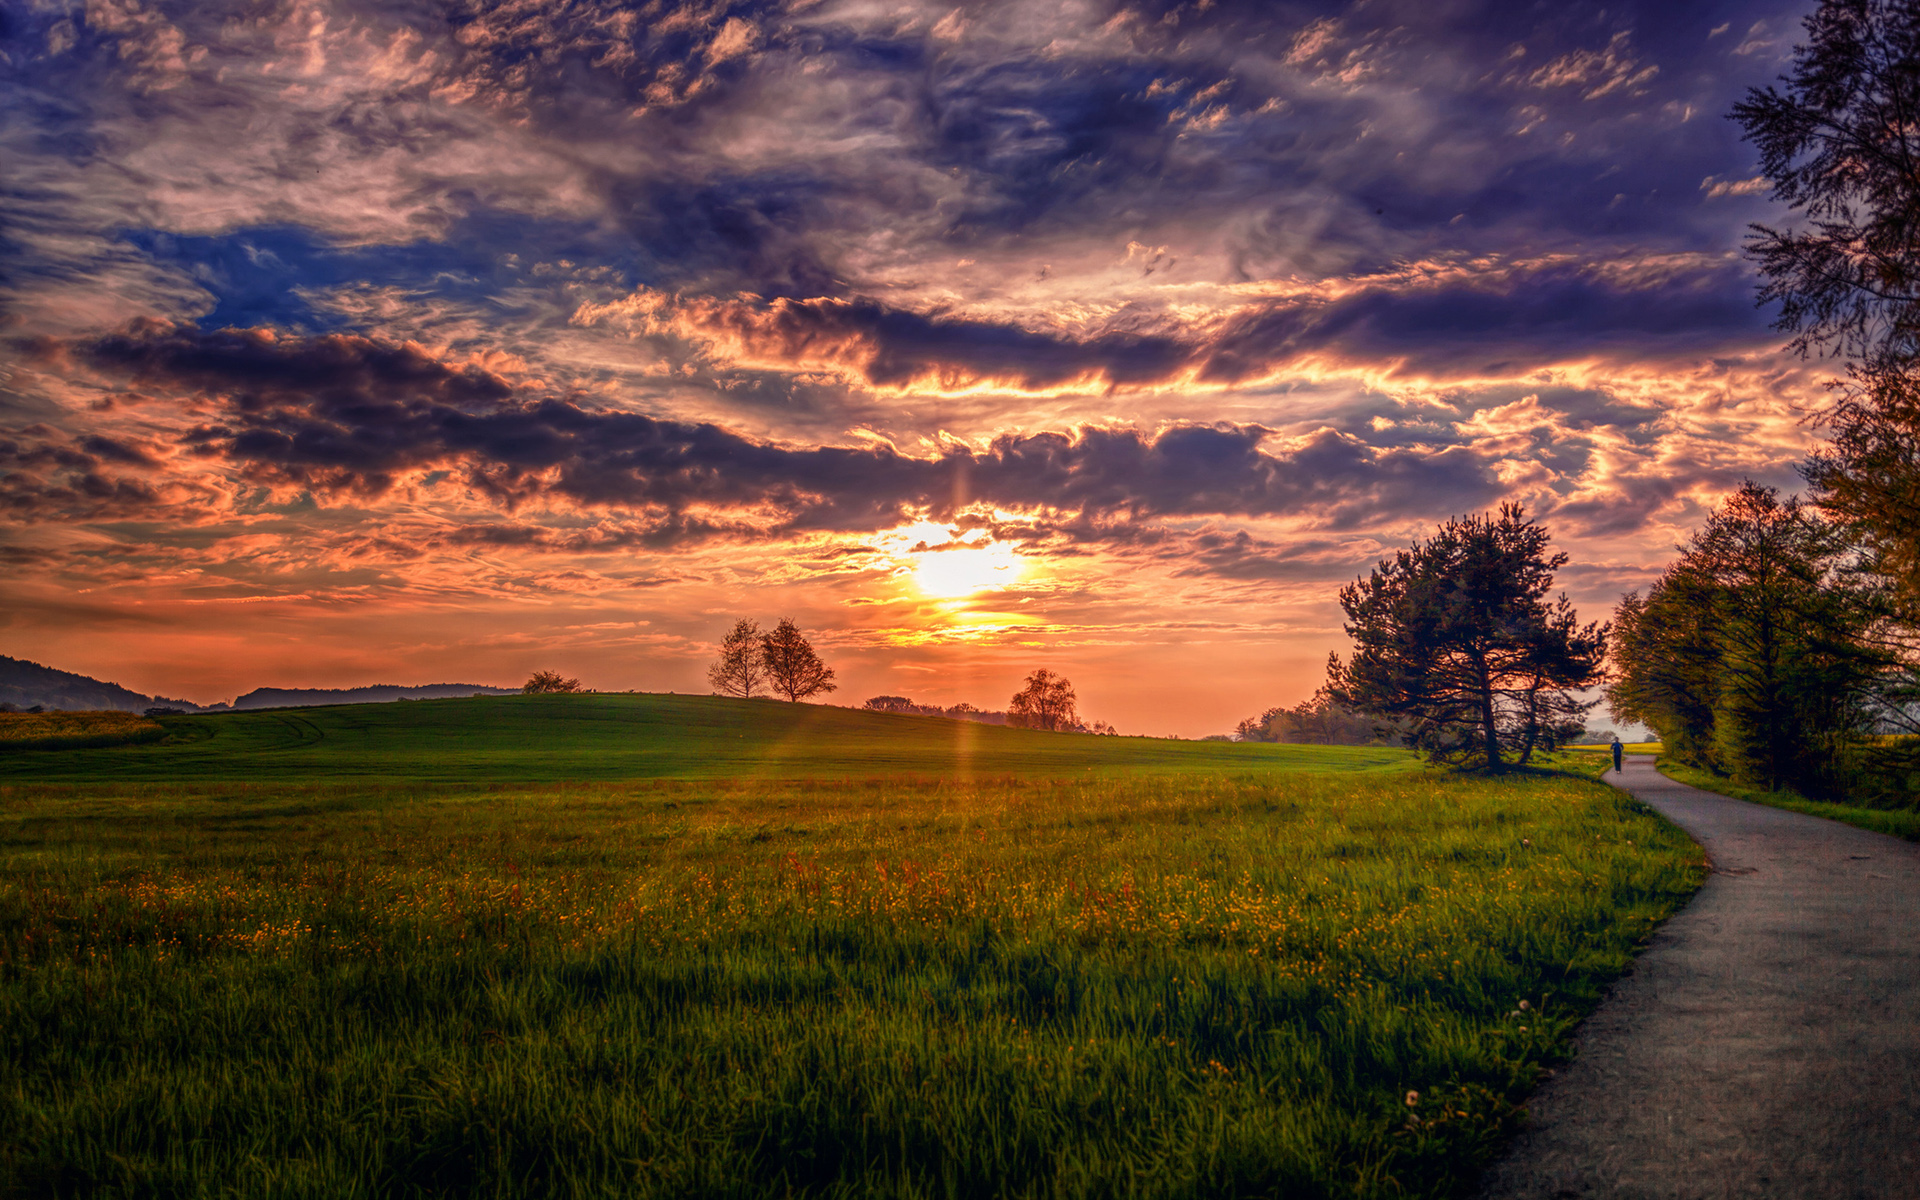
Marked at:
<point>1838,143</point>
<point>1456,639</point>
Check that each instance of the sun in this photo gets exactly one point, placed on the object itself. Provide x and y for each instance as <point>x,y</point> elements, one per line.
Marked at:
<point>951,574</point>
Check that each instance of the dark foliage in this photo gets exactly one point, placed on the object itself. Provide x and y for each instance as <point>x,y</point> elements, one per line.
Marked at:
<point>1456,638</point>
<point>793,669</point>
<point>1760,653</point>
<point>543,683</point>
<point>1840,141</point>
<point>1046,702</point>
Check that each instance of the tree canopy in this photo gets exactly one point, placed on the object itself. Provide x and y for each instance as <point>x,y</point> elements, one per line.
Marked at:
<point>793,669</point>
<point>1456,638</point>
<point>1756,654</point>
<point>1046,702</point>
<point>1840,142</point>
<point>548,682</point>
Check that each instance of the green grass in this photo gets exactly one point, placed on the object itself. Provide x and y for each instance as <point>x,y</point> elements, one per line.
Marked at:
<point>1901,823</point>
<point>614,737</point>
<point>1135,980</point>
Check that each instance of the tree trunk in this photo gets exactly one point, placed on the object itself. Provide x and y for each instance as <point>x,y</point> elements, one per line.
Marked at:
<point>1490,730</point>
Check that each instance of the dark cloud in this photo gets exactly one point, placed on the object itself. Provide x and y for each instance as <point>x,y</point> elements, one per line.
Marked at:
<point>1324,138</point>
<point>46,479</point>
<point>1468,324</point>
<point>351,414</point>
<point>250,365</point>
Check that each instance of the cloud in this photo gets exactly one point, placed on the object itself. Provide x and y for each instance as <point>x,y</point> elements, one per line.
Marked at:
<point>350,415</point>
<point>1716,188</point>
<point>1436,320</point>
<point>1596,73</point>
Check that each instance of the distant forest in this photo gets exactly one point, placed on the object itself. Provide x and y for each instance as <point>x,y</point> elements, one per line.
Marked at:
<point>1315,722</point>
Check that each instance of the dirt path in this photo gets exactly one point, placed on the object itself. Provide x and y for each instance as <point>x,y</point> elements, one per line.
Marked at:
<point>1767,1043</point>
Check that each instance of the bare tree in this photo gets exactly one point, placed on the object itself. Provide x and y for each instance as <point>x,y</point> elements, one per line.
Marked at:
<point>542,683</point>
<point>741,667</point>
<point>1047,702</point>
<point>793,669</point>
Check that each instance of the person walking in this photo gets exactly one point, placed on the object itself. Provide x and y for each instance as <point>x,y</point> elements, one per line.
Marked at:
<point>1618,751</point>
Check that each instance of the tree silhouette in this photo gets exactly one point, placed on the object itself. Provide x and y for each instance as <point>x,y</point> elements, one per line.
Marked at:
<point>793,669</point>
<point>1046,702</point>
<point>1456,636</point>
<point>740,668</point>
<point>542,683</point>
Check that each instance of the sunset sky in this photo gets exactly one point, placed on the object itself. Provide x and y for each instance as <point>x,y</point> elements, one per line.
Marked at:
<point>440,342</point>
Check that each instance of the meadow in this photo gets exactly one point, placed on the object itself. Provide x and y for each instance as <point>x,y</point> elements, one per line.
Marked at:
<point>74,730</point>
<point>635,736</point>
<point>1131,975</point>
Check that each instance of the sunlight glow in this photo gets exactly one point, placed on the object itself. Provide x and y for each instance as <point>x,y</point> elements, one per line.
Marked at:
<point>965,571</point>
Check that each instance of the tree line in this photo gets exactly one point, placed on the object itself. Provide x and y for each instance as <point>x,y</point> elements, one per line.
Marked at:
<point>1316,721</point>
<point>1769,652</point>
<point>1045,701</point>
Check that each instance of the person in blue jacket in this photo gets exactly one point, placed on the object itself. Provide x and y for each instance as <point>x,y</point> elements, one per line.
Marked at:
<point>1618,750</point>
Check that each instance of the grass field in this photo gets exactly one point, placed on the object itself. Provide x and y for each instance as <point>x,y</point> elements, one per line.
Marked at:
<point>609,737</point>
<point>1156,977</point>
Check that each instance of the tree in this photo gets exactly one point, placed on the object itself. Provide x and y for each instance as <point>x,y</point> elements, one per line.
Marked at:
<point>793,669</point>
<point>1455,637</point>
<point>1758,654</point>
<point>548,683</point>
<point>1046,702</point>
<point>741,667</point>
<point>1841,145</point>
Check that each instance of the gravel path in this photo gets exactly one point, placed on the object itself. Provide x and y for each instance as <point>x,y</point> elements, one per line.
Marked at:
<point>1767,1043</point>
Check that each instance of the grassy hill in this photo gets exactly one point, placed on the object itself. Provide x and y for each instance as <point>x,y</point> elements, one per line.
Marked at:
<point>607,737</point>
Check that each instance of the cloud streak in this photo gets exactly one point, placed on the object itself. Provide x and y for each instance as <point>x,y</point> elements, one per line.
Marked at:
<point>349,415</point>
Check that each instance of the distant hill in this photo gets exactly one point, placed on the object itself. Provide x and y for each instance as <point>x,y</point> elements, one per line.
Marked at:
<point>381,693</point>
<point>25,684</point>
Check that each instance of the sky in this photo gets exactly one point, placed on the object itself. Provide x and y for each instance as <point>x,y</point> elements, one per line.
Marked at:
<point>354,343</point>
